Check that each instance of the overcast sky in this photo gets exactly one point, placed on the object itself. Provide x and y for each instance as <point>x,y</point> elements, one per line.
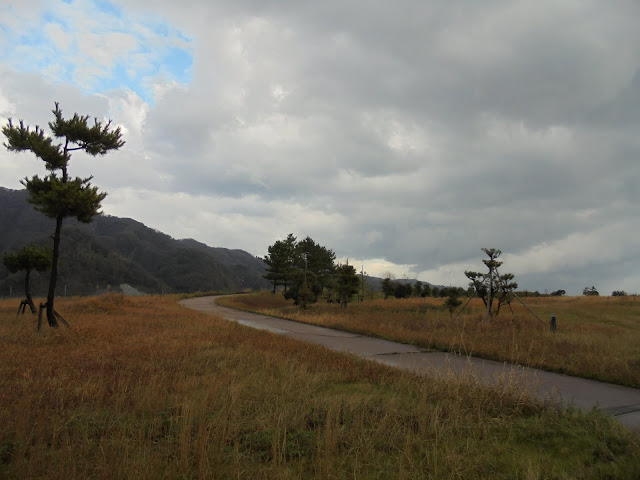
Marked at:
<point>403,135</point>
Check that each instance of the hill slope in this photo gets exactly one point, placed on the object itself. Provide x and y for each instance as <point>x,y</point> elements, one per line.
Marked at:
<point>111,251</point>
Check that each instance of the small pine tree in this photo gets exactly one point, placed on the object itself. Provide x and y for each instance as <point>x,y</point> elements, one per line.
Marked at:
<point>57,195</point>
<point>28,258</point>
<point>492,286</point>
<point>388,287</point>
<point>347,283</point>
<point>453,301</point>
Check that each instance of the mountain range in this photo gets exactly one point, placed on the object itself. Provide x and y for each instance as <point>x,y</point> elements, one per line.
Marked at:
<point>113,253</point>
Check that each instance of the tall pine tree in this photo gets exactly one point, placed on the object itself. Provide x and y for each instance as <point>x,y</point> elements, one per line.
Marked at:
<point>57,195</point>
<point>492,286</point>
<point>280,262</point>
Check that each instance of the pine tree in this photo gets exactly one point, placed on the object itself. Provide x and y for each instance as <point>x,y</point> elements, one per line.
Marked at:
<point>57,195</point>
<point>453,301</point>
<point>388,287</point>
<point>347,283</point>
<point>304,268</point>
<point>315,258</point>
<point>492,286</point>
<point>28,258</point>
<point>280,262</point>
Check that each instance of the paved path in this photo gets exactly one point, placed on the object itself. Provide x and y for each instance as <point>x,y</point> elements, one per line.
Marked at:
<point>621,402</point>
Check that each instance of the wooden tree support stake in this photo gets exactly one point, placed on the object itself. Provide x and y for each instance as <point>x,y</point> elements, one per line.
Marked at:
<point>43,306</point>
<point>59,317</point>
<point>466,303</point>
<point>525,306</point>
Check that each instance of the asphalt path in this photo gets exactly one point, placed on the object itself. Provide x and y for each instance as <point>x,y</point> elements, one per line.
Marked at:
<point>623,403</point>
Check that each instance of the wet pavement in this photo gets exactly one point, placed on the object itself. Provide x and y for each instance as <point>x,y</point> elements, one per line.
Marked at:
<point>621,402</point>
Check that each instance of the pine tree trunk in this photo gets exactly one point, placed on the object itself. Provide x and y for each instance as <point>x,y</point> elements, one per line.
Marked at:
<point>51,316</point>
<point>27,291</point>
<point>489,295</point>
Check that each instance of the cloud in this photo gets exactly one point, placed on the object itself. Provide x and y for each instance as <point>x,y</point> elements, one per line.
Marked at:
<point>405,136</point>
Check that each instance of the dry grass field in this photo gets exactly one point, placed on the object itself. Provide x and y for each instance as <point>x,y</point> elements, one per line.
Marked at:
<point>597,337</point>
<point>146,389</point>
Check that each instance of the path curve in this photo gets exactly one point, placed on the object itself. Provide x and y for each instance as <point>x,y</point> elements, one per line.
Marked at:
<point>621,402</point>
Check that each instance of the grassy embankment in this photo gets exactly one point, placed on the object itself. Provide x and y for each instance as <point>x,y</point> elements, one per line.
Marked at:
<point>143,388</point>
<point>597,337</point>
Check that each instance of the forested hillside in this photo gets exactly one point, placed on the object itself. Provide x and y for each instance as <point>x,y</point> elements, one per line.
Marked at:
<point>112,251</point>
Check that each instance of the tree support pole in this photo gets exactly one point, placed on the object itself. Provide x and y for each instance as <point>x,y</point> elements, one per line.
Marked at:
<point>525,306</point>
<point>43,307</point>
<point>463,307</point>
<point>59,317</point>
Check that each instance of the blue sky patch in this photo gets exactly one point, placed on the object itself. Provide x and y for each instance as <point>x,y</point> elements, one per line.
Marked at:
<point>179,63</point>
<point>109,8</point>
<point>65,49</point>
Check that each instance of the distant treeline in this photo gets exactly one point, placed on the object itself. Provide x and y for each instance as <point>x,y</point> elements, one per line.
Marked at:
<point>400,289</point>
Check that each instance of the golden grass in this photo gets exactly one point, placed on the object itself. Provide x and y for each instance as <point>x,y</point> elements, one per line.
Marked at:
<point>143,388</point>
<point>596,337</point>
